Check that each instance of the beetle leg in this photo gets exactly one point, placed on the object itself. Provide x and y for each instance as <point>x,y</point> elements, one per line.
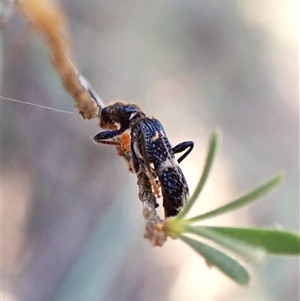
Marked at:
<point>134,159</point>
<point>101,137</point>
<point>155,184</point>
<point>109,142</point>
<point>183,146</point>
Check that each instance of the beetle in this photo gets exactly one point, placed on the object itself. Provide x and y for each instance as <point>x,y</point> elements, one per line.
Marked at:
<point>150,150</point>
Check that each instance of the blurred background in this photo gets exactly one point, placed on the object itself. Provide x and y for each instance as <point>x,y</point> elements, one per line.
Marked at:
<point>72,225</point>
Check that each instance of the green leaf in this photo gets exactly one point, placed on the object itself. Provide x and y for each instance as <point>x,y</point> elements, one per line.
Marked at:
<point>220,260</point>
<point>253,253</point>
<point>213,146</point>
<point>242,201</point>
<point>273,241</point>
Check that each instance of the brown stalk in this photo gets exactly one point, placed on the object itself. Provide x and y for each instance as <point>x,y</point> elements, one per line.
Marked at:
<point>47,17</point>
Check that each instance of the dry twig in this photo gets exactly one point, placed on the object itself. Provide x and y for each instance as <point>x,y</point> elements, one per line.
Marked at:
<point>47,17</point>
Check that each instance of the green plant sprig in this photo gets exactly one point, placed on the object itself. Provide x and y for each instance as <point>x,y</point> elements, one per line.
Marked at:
<point>250,244</point>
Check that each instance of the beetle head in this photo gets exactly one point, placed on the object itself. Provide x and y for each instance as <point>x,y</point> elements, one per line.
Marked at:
<point>119,115</point>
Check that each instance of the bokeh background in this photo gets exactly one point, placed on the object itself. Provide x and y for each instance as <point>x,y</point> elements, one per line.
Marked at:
<point>72,224</point>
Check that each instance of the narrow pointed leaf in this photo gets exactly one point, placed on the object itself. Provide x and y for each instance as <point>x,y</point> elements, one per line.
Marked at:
<point>275,242</point>
<point>213,146</point>
<point>220,260</point>
<point>252,253</point>
<point>242,201</point>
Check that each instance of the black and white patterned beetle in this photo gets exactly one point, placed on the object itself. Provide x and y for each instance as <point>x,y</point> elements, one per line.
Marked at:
<point>151,151</point>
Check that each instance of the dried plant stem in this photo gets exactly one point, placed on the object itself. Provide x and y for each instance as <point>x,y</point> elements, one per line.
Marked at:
<point>155,229</point>
<point>47,17</point>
